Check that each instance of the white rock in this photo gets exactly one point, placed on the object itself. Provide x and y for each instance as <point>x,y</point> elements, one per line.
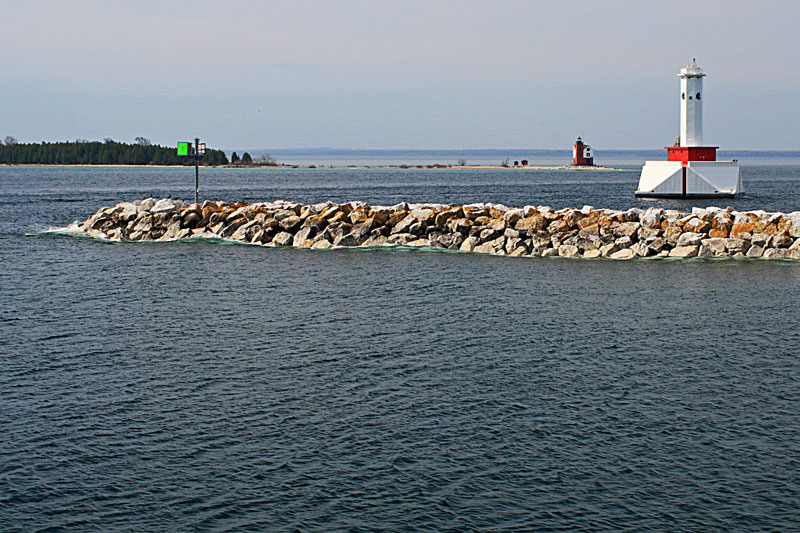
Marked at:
<point>625,253</point>
<point>640,249</point>
<point>684,251</point>
<point>794,218</point>
<point>714,246</point>
<point>568,250</point>
<point>652,218</point>
<point>690,238</point>
<point>163,206</point>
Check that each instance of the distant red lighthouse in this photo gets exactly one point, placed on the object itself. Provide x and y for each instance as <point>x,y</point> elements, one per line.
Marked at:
<point>582,154</point>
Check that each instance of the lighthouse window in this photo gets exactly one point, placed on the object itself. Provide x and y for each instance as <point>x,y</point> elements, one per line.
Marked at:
<point>683,96</point>
<point>698,96</point>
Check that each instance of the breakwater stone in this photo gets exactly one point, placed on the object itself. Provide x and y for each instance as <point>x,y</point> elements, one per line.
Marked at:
<point>480,228</point>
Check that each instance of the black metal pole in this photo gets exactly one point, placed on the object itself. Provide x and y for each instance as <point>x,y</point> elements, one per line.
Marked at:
<point>196,170</point>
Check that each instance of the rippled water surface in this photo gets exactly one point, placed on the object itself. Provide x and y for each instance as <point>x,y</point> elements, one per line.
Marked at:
<point>202,386</point>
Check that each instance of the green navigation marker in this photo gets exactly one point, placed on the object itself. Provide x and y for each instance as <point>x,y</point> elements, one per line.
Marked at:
<point>183,148</point>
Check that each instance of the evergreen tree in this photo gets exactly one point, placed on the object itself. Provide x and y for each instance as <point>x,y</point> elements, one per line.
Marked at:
<point>234,158</point>
<point>246,159</point>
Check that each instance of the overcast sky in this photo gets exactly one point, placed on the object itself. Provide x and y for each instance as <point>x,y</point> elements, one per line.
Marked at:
<point>398,74</point>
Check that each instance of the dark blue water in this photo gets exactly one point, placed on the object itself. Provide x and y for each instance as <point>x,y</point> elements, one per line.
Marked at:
<point>201,386</point>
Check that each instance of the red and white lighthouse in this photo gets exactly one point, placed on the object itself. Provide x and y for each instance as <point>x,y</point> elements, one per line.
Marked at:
<point>582,154</point>
<point>691,169</point>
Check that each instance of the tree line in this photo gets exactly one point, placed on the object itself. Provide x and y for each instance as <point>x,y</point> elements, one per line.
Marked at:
<point>108,152</point>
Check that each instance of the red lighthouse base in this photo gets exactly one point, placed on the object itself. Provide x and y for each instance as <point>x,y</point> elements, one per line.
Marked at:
<point>691,153</point>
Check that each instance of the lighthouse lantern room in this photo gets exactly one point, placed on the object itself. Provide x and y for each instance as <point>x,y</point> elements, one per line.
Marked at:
<point>691,169</point>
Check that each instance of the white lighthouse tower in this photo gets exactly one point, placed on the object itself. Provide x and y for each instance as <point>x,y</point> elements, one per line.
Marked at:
<point>691,105</point>
<point>691,169</point>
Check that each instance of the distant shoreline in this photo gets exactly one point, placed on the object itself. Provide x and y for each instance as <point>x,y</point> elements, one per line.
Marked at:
<point>342,167</point>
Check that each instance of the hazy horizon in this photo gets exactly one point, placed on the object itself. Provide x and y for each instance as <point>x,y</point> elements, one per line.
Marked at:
<point>398,75</point>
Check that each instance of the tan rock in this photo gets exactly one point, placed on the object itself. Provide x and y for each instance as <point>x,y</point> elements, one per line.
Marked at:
<point>778,253</point>
<point>321,244</point>
<point>690,238</point>
<point>640,249</point>
<point>755,251</point>
<point>781,241</point>
<point>609,249</point>
<point>684,251</point>
<point>283,239</point>
<point>625,253</point>
<point>469,244</point>
<point>532,224</point>
<point>568,250</point>
<point>697,225</point>
<point>735,246</point>
<point>712,247</point>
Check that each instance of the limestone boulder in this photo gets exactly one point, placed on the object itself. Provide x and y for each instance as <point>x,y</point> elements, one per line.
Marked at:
<point>755,251</point>
<point>284,238</point>
<point>781,241</point>
<point>652,218</point>
<point>494,246</point>
<point>648,234</point>
<point>657,245</point>
<point>240,234</point>
<point>714,246</point>
<point>540,240</point>
<point>401,238</point>
<point>760,239</point>
<point>304,234</point>
<point>624,242</point>
<point>404,225</point>
<point>290,223</point>
<point>424,215</point>
<point>568,250</point>
<point>690,238</point>
<point>735,246</point>
<point>625,253</point>
<point>684,251</point>
<point>696,225</point>
<point>474,211</point>
<point>609,249</point>
<point>348,240</point>
<point>777,253</point>
<point>146,205</point>
<point>640,249</point>
<point>470,243</point>
<point>532,223</point>
<point>514,243</point>
<point>791,224</point>
<point>230,228</point>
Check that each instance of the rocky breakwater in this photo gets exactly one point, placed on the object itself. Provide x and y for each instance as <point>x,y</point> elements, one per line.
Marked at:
<point>483,228</point>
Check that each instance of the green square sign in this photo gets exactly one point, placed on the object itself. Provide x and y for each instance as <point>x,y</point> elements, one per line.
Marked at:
<point>183,148</point>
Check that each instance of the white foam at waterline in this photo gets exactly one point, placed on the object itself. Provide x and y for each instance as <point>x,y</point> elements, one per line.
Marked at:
<point>72,229</point>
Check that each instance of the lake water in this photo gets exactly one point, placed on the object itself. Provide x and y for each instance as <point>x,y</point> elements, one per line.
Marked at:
<point>206,386</point>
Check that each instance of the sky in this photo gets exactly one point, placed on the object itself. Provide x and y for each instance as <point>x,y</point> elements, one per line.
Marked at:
<point>398,74</point>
